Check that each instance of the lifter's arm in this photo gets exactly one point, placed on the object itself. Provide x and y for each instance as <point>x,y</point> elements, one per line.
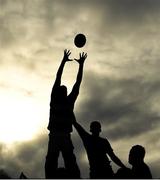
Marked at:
<point>116,160</point>
<point>81,131</point>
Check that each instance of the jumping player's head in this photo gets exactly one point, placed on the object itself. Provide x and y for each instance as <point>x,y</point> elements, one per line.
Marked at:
<point>136,155</point>
<point>95,128</point>
<point>62,92</point>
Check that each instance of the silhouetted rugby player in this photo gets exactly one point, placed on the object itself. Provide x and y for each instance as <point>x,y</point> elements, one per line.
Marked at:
<point>140,170</point>
<point>97,149</point>
<point>60,122</point>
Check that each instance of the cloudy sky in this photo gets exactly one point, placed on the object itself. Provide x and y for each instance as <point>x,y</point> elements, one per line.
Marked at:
<point>121,82</point>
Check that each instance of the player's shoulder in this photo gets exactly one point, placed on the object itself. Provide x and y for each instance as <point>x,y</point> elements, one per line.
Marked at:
<point>104,140</point>
<point>145,166</point>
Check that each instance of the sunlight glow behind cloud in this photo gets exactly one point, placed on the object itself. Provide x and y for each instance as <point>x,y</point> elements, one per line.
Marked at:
<point>22,118</point>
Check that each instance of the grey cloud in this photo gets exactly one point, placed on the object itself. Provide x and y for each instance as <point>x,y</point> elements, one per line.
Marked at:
<point>28,157</point>
<point>155,169</point>
<point>39,18</point>
<point>132,8</point>
<point>126,14</point>
<point>124,103</point>
<point>4,175</point>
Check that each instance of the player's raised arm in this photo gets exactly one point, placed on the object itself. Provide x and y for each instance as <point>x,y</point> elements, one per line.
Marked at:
<point>60,69</point>
<point>116,160</point>
<point>81,131</point>
<point>75,90</point>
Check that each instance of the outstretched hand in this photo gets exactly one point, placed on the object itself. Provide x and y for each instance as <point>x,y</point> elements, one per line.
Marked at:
<point>82,57</point>
<point>66,55</point>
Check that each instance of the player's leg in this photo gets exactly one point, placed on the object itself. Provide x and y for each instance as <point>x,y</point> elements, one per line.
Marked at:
<point>51,163</point>
<point>70,159</point>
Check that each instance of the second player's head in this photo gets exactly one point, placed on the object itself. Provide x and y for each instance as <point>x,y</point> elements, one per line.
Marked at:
<point>95,128</point>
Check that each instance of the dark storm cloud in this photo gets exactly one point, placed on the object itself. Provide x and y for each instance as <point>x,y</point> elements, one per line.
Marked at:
<point>123,103</point>
<point>37,25</point>
<point>18,18</point>
<point>135,12</point>
<point>28,157</point>
<point>155,168</point>
<point>133,8</point>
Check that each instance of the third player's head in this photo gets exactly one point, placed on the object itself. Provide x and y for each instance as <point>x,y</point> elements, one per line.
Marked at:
<point>136,155</point>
